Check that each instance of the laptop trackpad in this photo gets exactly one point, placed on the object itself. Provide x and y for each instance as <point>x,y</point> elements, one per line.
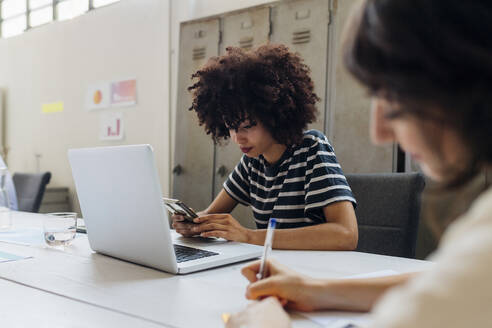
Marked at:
<point>196,241</point>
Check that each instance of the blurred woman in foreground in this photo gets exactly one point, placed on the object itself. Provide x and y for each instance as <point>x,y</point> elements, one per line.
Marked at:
<point>427,64</point>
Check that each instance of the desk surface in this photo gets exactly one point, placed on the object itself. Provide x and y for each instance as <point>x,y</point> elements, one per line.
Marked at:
<point>21,306</point>
<point>80,281</point>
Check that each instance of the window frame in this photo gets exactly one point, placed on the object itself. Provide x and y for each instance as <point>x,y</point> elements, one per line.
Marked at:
<point>53,5</point>
<point>55,11</point>
<point>29,11</point>
<point>14,16</point>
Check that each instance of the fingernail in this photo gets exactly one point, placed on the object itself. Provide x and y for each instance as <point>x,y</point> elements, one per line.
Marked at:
<point>196,220</point>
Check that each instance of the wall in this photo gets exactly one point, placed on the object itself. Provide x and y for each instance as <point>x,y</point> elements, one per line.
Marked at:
<point>58,61</point>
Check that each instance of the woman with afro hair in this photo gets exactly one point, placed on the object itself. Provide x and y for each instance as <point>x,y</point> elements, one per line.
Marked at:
<point>263,100</point>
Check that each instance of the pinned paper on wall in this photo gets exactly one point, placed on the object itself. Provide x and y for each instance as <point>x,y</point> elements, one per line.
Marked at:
<point>124,93</point>
<point>52,107</point>
<point>98,96</point>
<point>111,126</point>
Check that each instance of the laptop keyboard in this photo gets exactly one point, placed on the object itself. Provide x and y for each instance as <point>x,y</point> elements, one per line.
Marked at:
<point>184,253</point>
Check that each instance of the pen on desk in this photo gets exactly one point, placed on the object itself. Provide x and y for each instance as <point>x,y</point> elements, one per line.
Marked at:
<point>267,248</point>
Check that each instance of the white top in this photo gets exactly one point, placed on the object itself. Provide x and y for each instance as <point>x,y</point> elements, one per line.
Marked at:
<point>457,290</point>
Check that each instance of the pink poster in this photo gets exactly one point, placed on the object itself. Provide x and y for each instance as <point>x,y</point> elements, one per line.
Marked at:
<point>124,93</point>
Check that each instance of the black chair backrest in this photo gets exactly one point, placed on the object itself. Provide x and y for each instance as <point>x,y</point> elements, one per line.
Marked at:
<point>388,210</point>
<point>30,189</point>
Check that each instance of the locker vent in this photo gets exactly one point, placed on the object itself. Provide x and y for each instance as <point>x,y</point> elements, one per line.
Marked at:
<point>246,42</point>
<point>301,36</point>
<point>199,53</point>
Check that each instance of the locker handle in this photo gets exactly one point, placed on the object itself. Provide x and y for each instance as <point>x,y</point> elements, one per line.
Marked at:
<point>200,34</point>
<point>222,171</point>
<point>246,24</point>
<point>178,169</point>
<point>303,14</point>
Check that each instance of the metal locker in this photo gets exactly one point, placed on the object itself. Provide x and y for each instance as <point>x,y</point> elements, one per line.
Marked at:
<point>303,27</point>
<point>193,170</point>
<point>245,29</point>
<point>349,111</point>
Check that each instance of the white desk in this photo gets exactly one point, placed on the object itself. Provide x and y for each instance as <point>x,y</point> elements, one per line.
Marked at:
<point>154,297</point>
<point>21,306</point>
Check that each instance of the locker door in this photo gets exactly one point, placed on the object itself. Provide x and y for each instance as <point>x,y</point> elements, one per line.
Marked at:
<point>194,149</point>
<point>246,29</point>
<point>349,112</point>
<point>303,27</point>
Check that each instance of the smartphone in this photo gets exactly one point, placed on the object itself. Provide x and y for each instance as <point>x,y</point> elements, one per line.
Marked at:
<point>177,207</point>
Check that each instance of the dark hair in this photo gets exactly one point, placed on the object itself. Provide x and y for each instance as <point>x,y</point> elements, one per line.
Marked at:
<point>269,84</point>
<point>432,57</point>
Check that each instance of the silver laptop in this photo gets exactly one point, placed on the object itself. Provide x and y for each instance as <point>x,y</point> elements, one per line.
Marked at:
<point>121,202</point>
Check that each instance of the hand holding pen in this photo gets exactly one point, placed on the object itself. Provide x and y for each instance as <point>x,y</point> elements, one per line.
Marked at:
<point>267,248</point>
<point>276,286</point>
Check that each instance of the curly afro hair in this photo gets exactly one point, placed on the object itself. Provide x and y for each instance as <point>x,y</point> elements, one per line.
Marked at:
<point>269,84</point>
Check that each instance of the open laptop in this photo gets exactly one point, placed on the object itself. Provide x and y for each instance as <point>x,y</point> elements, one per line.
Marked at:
<point>121,202</point>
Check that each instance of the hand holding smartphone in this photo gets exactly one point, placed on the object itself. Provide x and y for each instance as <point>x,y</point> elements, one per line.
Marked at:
<point>177,207</point>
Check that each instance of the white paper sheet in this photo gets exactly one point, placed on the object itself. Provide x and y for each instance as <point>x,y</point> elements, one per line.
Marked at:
<point>111,126</point>
<point>7,257</point>
<point>375,274</point>
<point>98,96</point>
<point>25,236</point>
<point>335,319</point>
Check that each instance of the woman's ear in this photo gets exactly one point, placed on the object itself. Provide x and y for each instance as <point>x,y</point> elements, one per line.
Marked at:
<point>380,129</point>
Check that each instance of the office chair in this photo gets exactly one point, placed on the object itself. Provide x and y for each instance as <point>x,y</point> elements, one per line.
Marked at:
<point>30,189</point>
<point>388,210</point>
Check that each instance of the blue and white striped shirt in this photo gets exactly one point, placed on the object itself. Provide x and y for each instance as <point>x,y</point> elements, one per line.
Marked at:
<point>294,191</point>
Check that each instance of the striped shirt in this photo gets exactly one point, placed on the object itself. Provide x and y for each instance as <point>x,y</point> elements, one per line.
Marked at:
<point>294,190</point>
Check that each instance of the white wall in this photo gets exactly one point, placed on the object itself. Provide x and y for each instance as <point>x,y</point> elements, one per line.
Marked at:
<point>58,61</point>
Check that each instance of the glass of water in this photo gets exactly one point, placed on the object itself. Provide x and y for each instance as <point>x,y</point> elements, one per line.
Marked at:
<point>60,228</point>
